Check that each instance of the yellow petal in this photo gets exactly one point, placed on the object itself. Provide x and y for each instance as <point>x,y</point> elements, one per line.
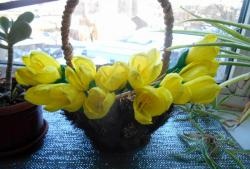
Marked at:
<point>144,66</point>
<point>197,69</point>
<point>150,102</point>
<point>85,70</point>
<point>113,77</point>
<point>184,97</point>
<point>204,89</point>
<point>55,96</point>
<point>43,59</point>
<point>135,79</point>
<point>73,79</point>
<point>173,82</point>
<point>98,103</point>
<point>48,74</point>
<point>201,53</point>
<point>25,77</point>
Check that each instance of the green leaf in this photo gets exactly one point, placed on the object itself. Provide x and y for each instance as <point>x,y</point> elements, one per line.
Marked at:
<point>224,28</point>
<point>235,63</point>
<point>2,36</point>
<point>229,52</point>
<point>180,64</point>
<point>26,17</point>
<point>203,33</point>
<point>239,25</point>
<point>3,46</point>
<point>240,57</point>
<point>92,84</point>
<point>18,32</point>
<point>63,78</point>
<point>225,44</point>
<point>237,160</point>
<point>209,160</point>
<point>4,24</point>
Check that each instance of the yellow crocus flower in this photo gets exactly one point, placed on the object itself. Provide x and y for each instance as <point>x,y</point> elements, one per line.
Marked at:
<point>150,102</point>
<point>98,103</point>
<point>144,68</point>
<point>40,68</point>
<point>202,53</point>
<point>112,77</point>
<point>173,82</point>
<point>197,69</point>
<point>204,89</point>
<point>83,73</point>
<point>55,97</point>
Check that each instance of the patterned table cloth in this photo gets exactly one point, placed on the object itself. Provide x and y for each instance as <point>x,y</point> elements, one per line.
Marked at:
<point>67,147</point>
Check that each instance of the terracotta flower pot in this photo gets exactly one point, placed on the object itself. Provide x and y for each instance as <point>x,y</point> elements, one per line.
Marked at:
<point>21,126</point>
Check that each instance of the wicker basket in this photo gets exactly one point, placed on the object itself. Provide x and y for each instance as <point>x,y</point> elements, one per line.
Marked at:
<point>118,130</point>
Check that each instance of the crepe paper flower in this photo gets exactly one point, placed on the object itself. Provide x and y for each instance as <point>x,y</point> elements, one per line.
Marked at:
<point>202,53</point>
<point>180,93</point>
<point>55,97</point>
<point>150,102</point>
<point>83,73</point>
<point>40,68</point>
<point>144,68</point>
<point>200,68</point>
<point>98,103</point>
<point>204,89</point>
<point>112,77</point>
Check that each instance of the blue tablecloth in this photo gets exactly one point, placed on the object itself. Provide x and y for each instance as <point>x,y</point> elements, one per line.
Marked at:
<point>67,147</point>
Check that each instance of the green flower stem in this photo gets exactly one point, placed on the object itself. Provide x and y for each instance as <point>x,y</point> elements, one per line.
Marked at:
<point>245,76</point>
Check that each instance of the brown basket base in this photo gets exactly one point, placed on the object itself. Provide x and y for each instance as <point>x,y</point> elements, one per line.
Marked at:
<point>118,131</point>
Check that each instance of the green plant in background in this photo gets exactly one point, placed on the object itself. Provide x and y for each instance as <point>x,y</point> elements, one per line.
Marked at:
<point>12,32</point>
<point>210,145</point>
<point>230,40</point>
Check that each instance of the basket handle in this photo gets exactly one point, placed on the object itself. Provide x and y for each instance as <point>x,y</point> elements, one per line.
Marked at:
<point>66,20</point>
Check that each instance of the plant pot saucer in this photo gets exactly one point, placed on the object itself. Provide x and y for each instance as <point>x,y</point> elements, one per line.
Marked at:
<point>29,145</point>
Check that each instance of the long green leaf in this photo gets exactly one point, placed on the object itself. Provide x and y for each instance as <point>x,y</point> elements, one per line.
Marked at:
<point>4,24</point>
<point>240,57</point>
<point>209,160</point>
<point>237,160</point>
<point>226,44</point>
<point>229,52</point>
<point>3,46</point>
<point>202,33</point>
<point>239,25</point>
<point>235,63</point>
<point>224,28</point>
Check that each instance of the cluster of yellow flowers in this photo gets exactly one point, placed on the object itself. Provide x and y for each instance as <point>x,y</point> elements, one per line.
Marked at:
<point>82,86</point>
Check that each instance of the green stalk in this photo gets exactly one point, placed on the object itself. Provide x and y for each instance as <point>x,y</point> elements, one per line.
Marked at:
<point>8,83</point>
<point>244,76</point>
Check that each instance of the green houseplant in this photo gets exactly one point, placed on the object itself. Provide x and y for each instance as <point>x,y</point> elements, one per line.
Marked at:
<point>209,145</point>
<point>21,123</point>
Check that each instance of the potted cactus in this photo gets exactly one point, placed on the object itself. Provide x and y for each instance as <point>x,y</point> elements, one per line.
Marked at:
<point>21,123</point>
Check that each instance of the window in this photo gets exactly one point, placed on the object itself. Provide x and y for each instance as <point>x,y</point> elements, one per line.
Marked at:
<point>112,30</point>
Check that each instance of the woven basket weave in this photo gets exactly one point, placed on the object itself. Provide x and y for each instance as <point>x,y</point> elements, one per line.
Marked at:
<point>118,130</point>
